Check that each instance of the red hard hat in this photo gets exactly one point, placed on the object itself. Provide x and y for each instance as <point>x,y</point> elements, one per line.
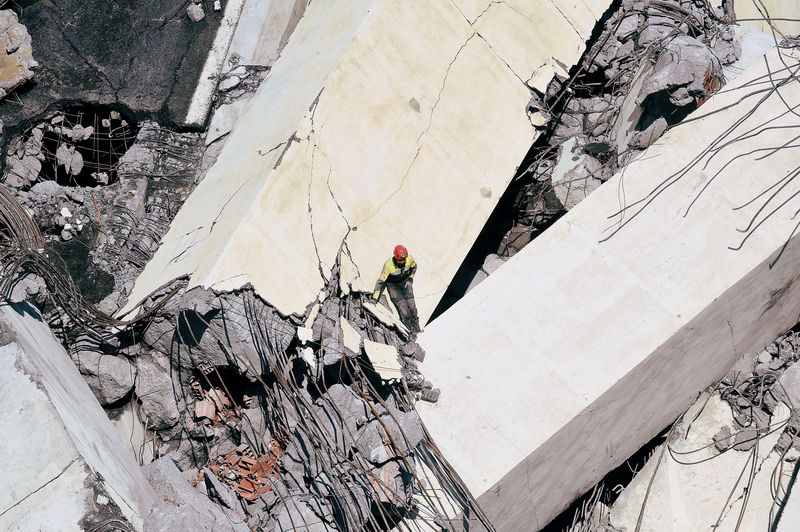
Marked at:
<point>400,253</point>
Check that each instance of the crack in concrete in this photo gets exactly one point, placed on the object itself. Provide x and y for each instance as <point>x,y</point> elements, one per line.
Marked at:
<point>85,59</point>
<point>422,133</point>
<point>39,488</point>
<point>222,209</point>
<point>311,227</point>
<point>581,37</point>
<point>265,153</point>
<point>503,60</point>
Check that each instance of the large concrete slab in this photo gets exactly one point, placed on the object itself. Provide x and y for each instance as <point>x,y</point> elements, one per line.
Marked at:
<point>577,350</point>
<point>382,122</point>
<point>64,466</point>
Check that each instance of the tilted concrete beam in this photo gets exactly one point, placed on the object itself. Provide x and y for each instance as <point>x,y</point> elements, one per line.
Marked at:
<point>382,122</point>
<point>64,465</point>
<point>577,351</point>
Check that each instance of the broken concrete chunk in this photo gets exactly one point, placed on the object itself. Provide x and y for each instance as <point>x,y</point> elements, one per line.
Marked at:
<point>156,391</point>
<point>70,159</point>
<point>229,83</point>
<point>183,507</point>
<point>195,12</point>
<point>383,358</point>
<point>576,173</point>
<point>27,286</point>
<point>351,339</point>
<point>492,262</point>
<point>17,63</point>
<point>110,377</point>
<point>788,388</point>
<point>304,335</point>
<point>294,515</point>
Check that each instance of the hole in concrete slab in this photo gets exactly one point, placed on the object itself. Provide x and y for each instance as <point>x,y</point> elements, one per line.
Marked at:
<point>237,388</point>
<point>81,146</point>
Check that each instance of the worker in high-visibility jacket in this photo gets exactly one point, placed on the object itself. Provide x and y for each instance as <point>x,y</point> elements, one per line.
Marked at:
<point>397,278</point>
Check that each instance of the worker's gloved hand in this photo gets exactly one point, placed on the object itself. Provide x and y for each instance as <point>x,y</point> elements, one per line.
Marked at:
<point>376,296</point>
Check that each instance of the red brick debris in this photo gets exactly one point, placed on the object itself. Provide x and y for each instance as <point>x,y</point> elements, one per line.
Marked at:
<point>248,475</point>
<point>214,407</point>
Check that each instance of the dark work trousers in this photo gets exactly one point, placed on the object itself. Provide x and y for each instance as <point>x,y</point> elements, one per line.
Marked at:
<point>402,295</point>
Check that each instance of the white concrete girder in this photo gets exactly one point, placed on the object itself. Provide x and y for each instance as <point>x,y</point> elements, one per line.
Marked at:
<point>57,438</point>
<point>382,122</point>
<point>577,351</point>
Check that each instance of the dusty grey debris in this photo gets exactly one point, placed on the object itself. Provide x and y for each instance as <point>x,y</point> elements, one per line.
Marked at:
<point>156,392</point>
<point>27,286</point>
<point>195,12</point>
<point>110,377</point>
<point>182,507</point>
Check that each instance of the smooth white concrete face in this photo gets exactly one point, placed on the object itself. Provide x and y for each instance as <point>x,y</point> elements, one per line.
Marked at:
<point>207,82</point>
<point>264,28</point>
<point>576,352</point>
<point>56,437</point>
<point>691,487</point>
<point>382,123</point>
<point>383,358</point>
<point>774,17</point>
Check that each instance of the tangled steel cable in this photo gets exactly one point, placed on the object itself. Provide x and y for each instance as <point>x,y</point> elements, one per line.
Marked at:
<point>22,249</point>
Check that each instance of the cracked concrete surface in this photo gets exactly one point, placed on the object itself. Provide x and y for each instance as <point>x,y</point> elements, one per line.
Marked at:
<point>660,305</point>
<point>418,125</point>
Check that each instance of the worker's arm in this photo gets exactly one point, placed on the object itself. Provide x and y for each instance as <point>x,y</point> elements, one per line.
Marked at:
<point>380,284</point>
<point>411,264</point>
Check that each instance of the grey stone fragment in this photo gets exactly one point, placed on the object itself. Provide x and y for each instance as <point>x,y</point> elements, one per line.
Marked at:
<point>27,286</point>
<point>19,64</point>
<point>643,139</point>
<point>110,377</point>
<point>413,350</point>
<point>155,390</point>
<point>685,62</point>
<point>195,12</point>
<point>296,515</point>
<point>220,491</point>
<point>22,171</point>
<point>492,262</point>
<point>405,436</point>
<point>229,83</point>
<point>788,388</point>
<point>181,506</point>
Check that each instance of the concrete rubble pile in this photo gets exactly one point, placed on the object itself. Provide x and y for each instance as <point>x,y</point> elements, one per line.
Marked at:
<point>651,65</point>
<point>264,411</point>
<point>104,224</point>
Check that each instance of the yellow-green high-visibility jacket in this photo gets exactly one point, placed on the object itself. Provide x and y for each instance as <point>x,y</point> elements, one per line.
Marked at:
<point>393,274</point>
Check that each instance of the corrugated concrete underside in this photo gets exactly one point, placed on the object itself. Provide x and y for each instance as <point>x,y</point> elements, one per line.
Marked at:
<point>382,122</point>
<point>58,439</point>
<point>578,351</point>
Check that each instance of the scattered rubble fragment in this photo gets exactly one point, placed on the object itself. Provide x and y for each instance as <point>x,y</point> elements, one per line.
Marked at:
<point>195,12</point>
<point>16,60</point>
